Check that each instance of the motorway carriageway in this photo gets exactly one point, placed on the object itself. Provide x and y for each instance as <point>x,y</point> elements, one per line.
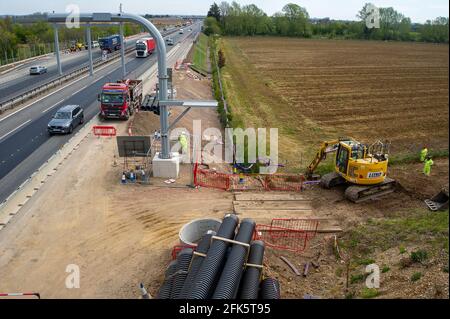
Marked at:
<point>19,80</point>
<point>24,142</point>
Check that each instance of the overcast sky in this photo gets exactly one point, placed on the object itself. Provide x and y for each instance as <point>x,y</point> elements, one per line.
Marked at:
<point>417,10</point>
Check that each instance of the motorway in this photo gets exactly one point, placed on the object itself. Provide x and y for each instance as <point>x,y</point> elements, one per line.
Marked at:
<point>24,142</point>
<point>19,80</point>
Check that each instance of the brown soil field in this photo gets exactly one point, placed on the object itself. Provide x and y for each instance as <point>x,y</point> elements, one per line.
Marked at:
<point>315,90</point>
<point>318,89</point>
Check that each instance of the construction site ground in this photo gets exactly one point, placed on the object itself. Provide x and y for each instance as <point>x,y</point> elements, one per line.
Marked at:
<point>122,235</point>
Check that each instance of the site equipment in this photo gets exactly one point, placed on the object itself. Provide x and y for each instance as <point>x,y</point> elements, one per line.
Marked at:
<point>145,47</point>
<point>120,100</point>
<point>76,46</point>
<point>363,167</point>
<point>110,44</point>
<point>438,202</point>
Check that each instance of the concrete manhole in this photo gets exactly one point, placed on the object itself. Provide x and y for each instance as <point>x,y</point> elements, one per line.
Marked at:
<point>191,233</point>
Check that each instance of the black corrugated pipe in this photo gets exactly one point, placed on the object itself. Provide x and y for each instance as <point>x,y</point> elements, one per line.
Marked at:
<point>183,262</point>
<point>252,275</point>
<point>166,288</point>
<point>270,289</point>
<point>202,248</point>
<point>228,284</point>
<point>210,269</point>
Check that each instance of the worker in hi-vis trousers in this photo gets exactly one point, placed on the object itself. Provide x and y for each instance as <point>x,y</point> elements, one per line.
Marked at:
<point>427,167</point>
<point>423,154</point>
<point>184,143</point>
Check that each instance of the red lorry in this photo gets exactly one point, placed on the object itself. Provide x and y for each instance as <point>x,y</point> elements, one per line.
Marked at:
<point>145,47</point>
<point>120,100</point>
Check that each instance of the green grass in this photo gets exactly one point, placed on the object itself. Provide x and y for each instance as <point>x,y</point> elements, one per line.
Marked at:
<point>415,158</point>
<point>419,256</point>
<point>356,278</point>
<point>385,269</point>
<point>416,276</point>
<point>368,293</point>
<point>200,58</point>
<point>418,227</point>
<point>365,261</point>
<point>402,249</point>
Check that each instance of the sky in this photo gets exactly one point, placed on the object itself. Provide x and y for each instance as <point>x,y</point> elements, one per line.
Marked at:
<point>417,10</point>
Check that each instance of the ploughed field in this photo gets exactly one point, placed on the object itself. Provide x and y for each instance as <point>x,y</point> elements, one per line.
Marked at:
<point>316,89</point>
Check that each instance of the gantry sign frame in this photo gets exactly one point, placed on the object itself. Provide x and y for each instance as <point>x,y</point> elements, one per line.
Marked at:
<point>163,78</point>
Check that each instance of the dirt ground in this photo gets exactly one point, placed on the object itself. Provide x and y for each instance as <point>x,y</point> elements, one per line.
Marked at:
<point>83,212</point>
<point>314,90</point>
<point>329,279</point>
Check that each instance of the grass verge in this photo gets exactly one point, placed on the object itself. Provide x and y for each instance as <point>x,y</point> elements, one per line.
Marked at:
<point>200,58</point>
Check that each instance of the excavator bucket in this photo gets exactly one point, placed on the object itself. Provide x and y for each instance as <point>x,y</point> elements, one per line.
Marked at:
<point>438,202</point>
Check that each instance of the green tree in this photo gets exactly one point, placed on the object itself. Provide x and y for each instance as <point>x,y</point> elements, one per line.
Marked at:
<point>214,11</point>
<point>298,19</point>
<point>212,26</point>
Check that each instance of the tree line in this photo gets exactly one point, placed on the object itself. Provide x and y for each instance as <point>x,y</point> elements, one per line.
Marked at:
<point>19,40</point>
<point>294,21</point>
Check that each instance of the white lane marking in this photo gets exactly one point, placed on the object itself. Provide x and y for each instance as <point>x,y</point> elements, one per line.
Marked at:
<point>62,88</point>
<point>76,92</point>
<point>49,108</point>
<point>21,125</point>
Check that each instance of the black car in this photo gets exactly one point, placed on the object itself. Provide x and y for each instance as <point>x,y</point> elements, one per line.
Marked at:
<point>66,120</point>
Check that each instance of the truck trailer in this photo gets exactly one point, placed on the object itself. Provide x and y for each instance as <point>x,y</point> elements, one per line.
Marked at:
<point>110,44</point>
<point>120,100</point>
<point>145,47</point>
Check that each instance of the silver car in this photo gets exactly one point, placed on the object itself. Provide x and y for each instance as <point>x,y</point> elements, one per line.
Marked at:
<point>38,70</point>
<point>66,120</point>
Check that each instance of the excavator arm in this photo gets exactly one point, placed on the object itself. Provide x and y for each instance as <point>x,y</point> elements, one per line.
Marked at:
<point>325,148</point>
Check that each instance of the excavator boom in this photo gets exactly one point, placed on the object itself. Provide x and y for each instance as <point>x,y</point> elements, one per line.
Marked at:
<point>325,148</point>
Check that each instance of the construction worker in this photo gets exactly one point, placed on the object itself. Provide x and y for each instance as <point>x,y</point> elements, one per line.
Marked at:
<point>183,141</point>
<point>427,167</point>
<point>423,154</point>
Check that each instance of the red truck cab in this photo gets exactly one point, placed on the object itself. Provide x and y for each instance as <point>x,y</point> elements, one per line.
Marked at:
<point>120,100</point>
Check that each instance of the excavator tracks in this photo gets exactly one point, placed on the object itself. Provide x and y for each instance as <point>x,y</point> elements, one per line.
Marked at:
<point>331,180</point>
<point>358,194</point>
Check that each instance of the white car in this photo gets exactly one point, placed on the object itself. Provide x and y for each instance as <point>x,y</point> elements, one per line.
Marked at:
<point>94,44</point>
<point>181,31</point>
<point>39,69</point>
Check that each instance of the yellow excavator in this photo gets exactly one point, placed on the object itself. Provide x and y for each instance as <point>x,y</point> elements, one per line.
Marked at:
<point>364,168</point>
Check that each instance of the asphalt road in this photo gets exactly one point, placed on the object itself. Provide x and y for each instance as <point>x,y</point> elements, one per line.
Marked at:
<point>24,142</point>
<point>19,80</point>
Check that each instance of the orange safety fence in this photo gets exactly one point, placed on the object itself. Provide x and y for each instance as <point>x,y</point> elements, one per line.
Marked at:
<point>211,179</point>
<point>104,131</point>
<point>287,234</point>
<point>240,182</point>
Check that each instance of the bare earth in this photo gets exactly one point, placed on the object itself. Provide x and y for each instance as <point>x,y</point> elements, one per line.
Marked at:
<point>313,90</point>
<point>118,235</point>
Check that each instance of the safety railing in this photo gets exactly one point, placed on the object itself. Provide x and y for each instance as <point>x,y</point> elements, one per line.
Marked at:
<point>107,131</point>
<point>248,182</point>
